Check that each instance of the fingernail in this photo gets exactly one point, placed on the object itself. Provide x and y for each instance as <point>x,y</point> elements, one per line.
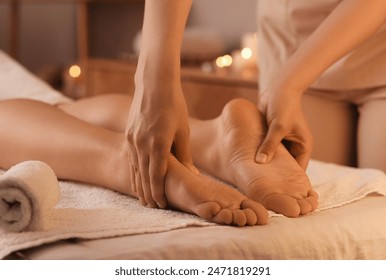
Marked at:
<point>161,205</point>
<point>261,158</point>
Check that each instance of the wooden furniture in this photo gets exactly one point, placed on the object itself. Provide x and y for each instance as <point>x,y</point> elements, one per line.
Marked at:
<point>14,23</point>
<point>82,23</point>
<point>205,93</point>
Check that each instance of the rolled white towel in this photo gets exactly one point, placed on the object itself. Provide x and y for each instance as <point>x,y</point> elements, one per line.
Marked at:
<point>28,191</point>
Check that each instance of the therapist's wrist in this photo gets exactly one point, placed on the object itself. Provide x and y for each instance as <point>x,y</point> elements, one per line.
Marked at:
<point>285,87</point>
<point>158,68</point>
<point>157,84</point>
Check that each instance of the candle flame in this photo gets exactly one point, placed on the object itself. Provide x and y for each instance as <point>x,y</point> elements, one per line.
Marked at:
<point>246,53</point>
<point>75,71</point>
<point>224,61</point>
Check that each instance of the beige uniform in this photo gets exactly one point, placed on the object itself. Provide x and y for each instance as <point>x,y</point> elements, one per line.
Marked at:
<point>346,106</point>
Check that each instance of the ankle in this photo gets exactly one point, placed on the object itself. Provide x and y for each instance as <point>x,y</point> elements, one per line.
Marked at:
<point>115,167</point>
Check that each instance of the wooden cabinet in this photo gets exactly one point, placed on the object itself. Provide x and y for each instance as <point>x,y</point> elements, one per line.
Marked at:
<point>82,21</point>
<point>205,93</point>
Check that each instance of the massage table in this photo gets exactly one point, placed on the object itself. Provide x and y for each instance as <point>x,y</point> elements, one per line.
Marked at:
<point>345,227</point>
<point>353,231</point>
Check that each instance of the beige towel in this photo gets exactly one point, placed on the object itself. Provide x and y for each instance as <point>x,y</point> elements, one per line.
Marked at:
<point>91,212</point>
<point>28,191</point>
<point>338,185</point>
<point>18,82</point>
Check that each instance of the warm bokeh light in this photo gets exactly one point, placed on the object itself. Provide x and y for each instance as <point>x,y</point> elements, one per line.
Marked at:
<point>246,53</point>
<point>74,71</point>
<point>224,61</point>
<point>219,62</point>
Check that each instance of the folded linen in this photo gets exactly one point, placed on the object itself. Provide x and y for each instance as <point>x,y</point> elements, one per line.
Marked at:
<point>28,191</point>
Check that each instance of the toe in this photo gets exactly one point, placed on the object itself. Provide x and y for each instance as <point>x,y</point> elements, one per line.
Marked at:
<point>251,217</point>
<point>282,204</point>
<point>239,218</point>
<point>305,206</point>
<point>224,217</point>
<point>258,209</point>
<point>207,210</point>
<point>313,199</point>
<point>309,203</point>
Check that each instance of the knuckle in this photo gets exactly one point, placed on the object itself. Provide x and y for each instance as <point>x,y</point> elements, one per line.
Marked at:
<point>160,150</point>
<point>158,144</point>
<point>279,127</point>
<point>267,147</point>
<point>184,132</point>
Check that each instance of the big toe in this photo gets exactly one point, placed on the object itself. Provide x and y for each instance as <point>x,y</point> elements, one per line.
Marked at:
<point>305,206</point>
<point>224,217</point>
<point>258,210</point>
<point>282,204</point>
<point>207,210</point>
<point>309,203</point>
<point>235,217</point>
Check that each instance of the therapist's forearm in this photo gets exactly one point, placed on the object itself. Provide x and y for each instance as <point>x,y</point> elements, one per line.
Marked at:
<point>162,34</point>
<point>349,25</point>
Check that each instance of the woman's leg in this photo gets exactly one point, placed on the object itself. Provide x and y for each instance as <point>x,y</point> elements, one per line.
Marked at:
<point>225,147</point>
<point>75,149</point>
<point>79,151</point>
<point>108,110</point>
<point>372,134</point>
<point>333,123</point>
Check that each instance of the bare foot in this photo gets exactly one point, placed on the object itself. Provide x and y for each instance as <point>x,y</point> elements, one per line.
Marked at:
<point>210,199</point>
<point>230,146</point>
<point>200,195</point>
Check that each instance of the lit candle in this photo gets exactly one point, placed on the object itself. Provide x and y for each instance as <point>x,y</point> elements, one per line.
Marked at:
<point>74,71</point>
<point>249,46</point>
<point>246,53</point>
<point>224,61</point>
<point>73,84</point>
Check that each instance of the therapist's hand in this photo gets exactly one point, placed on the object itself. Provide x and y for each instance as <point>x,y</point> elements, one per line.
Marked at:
<point>286,122</point>
<point>157,123</point>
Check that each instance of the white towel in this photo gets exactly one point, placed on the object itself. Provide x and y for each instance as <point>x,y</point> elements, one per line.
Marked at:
<point>18,82</point>
<point>91,212</point>
<point>28,191</point>
<point>338,185</point>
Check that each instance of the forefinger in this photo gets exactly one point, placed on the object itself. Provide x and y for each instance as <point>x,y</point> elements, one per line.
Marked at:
<point>270,143</point>
<point>157,173</point>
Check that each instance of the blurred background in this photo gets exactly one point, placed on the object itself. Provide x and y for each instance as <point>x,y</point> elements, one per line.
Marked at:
<point>47,30</point>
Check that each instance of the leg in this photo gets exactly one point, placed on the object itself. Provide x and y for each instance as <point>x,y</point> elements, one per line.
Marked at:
<point>109,110</point>
<point>230,143</point>
<point>225,147</point>
<point>79,151</point>
<point>333,126</point>
<point>35,130</point>
<point>372,134</point>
